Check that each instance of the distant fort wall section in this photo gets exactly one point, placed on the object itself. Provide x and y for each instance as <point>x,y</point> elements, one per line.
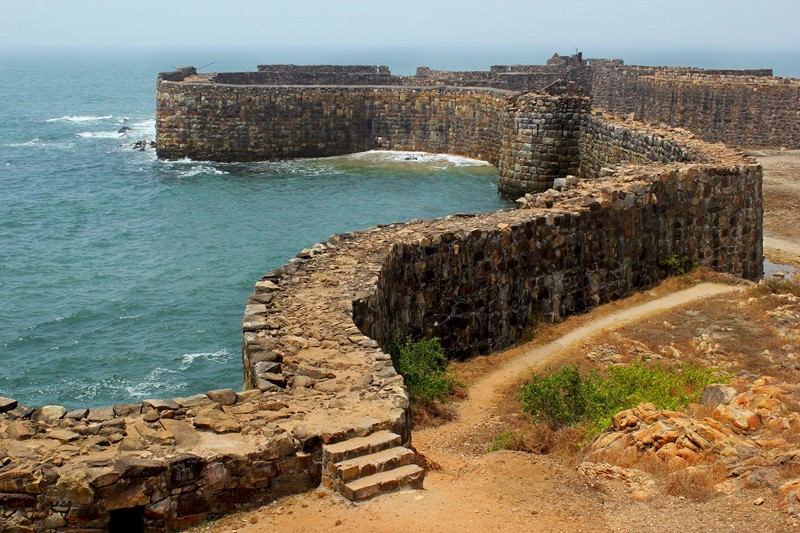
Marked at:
<point>288,111</point>
<point>738,110</point>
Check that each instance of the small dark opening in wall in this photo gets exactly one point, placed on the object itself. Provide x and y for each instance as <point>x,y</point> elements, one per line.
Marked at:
<point>127,520</point>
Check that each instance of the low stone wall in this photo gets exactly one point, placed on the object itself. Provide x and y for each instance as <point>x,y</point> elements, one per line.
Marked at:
<point>605,142</point>
<point>743,111</point>
<point>166,464</point>
<point>474,281</point>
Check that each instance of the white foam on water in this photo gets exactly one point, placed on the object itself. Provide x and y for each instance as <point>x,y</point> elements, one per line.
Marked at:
<point>145,127</point>
<point>99,135</point>
<point>201,169</point>
<point>155,381</point>
<point>38,143</point>
<point>425,158</point>
<point>79,119</point>
<point>219,357</point>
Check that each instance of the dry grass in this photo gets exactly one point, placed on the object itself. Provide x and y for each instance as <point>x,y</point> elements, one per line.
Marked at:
<point>696,483</point>
<point>435,413</point>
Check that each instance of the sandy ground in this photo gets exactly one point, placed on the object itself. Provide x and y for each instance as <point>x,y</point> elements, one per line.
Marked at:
<point>512,491</point>
<point>781,205</point>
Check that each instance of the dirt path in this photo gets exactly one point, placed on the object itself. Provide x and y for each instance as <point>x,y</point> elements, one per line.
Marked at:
<point>481,394</point>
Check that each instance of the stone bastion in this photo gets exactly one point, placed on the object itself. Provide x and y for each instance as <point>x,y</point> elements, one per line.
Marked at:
<point>320,393</point>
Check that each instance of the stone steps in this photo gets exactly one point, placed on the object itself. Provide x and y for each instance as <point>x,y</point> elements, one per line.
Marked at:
<point>352,448</point>
<point>373,463</point>
<point>367,487</point>
<point>364,467</point>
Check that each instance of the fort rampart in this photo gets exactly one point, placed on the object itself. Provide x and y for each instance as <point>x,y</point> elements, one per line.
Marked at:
<point>744,111</point>
<point>316,375</point>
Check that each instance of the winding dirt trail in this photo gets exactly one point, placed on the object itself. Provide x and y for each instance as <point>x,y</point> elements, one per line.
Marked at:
<point>482,394</point>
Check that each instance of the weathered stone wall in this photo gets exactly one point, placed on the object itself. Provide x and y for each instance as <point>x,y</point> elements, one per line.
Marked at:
<point>615,86</point>
<point>605,143</point>
<point>246,123</point>
<point>744,111</point>
<point>541,143</point>
<point>532,138</point>
<point>476,283</point>
<point>169,463</point>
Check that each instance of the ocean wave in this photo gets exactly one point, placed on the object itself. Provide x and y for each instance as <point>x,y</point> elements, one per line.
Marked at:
<point>80,118</point>
<point>99,135</point>
<point>38,143</point>
<point>194,168</point>
<point>145,127</point>
<point>219,357</point>
<point>421,158</point>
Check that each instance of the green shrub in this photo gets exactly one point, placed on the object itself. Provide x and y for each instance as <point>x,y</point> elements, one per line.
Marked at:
<point>677,264</point>
<point>508,440</point>
<point>423,366</point>
<point>566,397</point>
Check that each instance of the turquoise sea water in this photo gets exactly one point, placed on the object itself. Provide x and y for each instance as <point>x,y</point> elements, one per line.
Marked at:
<point>123,277</point>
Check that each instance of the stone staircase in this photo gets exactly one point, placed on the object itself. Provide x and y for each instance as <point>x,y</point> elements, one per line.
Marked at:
<point>364,467</point>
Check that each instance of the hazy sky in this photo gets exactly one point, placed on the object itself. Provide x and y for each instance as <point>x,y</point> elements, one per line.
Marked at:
<point>558,24</point>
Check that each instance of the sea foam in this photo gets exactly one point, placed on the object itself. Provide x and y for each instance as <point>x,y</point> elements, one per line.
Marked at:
<point>80,118</point>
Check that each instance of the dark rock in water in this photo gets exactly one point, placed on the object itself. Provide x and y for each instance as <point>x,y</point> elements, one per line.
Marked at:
<point>143,145</point>
<point>124,129</point>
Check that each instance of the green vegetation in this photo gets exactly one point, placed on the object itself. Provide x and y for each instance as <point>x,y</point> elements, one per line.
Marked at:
<point>677,265</point>
<point>566,397</point>
<point>423,365</point>
<point>507,440</point>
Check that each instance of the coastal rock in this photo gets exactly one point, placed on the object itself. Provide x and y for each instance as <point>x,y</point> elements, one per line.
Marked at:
<point>214,419</point>
<point>49,413</point>
<point>7,404</point>
<point>222,396</point>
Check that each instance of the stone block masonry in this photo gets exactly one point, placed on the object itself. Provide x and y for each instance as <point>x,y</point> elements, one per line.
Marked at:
<point>531,138</point>
<point>744,111</point>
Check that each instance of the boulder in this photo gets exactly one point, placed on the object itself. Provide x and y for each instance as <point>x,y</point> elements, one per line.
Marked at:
<point>716,394</point>
<point>214,419</point>
<point>222,396</point>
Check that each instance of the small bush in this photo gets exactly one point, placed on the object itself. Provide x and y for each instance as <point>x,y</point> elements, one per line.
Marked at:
<point>677,264</point>
<point>423,366</point>
<point>566,397</point>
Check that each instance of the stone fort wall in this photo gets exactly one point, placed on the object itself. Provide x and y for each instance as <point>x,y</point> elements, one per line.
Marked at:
<point>744,111</point>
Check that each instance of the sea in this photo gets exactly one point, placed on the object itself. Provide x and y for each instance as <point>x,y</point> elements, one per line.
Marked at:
<point>123,277</point>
